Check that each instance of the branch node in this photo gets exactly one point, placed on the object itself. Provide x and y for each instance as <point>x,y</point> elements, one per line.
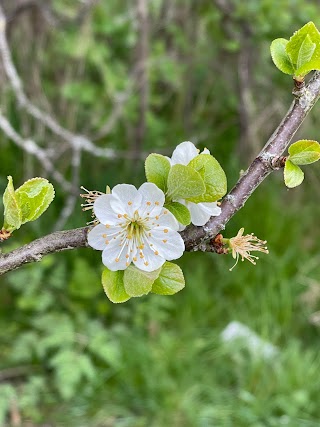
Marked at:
<point>299,87</point>
<point>278,162</point>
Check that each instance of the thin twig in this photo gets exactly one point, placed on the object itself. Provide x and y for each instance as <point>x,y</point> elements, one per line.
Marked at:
<point>30,147</point>
<point>74,194</point>
<point>76,141</point>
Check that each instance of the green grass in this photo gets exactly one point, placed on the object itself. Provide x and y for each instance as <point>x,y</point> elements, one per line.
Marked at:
<point>161,361</point>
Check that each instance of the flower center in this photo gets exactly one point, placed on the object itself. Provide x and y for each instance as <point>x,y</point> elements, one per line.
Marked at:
<point>136,227</point>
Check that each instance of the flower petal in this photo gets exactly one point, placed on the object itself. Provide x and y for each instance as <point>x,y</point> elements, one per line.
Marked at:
<point>168,243</point>
<point>95,237</point>
<point>147,260</point>
<point>116,255</point>
<point>165,219</point>
<point>184,153</point>
<point>125,199</point>
<point>205,151</point>
<point>201,212</point>
<point>152,199</point>
<point>103,210</point>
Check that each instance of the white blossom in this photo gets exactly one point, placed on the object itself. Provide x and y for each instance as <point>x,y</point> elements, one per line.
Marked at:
<point>135,227</point>
<point>200,212</point>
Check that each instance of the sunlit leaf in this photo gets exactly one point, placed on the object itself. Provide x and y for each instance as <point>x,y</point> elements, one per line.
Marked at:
<point>112,282</point>
<point>280,57</point>
<point>180,211</point>
<point>170,280</point>
<point>184,182</point>
<point>293,175</point>
<point>12,210</point>
<point>34,197</point>
<point>214,178</point>
<point>138,282</point>
<point>303,54</point>
<point>304,152</point>
<point>157,169</point>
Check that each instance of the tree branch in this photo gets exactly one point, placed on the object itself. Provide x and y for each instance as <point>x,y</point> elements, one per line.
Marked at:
<point>259,168</point>
<point>194,237</point>
<point>36,250</point>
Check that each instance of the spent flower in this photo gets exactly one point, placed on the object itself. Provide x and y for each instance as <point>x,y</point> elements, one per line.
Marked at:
<point>135,227</point>
<point>241,246</point>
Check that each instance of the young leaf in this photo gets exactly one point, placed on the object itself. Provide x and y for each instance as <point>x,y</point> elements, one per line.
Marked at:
<point>304,152</point>
<point>12,210</point>
<point>184,182</point>
<point>305,53</point>
<point>138,282</point>
<point>34,197</point>
<point>170,280</point>
<point>180,211</point>
<point>313,64</point>
<point>213,176</point>
<point>293,175</point>
<point>295,44</point>
<point>112,282</point>
<point>280,57</point>
<point>157,168</point>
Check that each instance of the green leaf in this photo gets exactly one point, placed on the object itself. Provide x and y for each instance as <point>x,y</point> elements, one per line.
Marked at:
<point>184,182</point>
<point>157,169</point>
<point>180,211</point>
<point>69,369</point>
<point>170,280</point>
<point>112,282</point>
<point>34,197</point>
<point>305,53</point>
<point>304,152</point>
<point>293,175</point>
<point>300,46</point>
<point>213,176</point>
<point>280,57</point>
<point>138,282</point>
<point>314,64</point>
<point>12,210</point>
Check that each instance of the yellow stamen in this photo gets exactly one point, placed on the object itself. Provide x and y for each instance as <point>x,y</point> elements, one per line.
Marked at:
<point>241,246</point>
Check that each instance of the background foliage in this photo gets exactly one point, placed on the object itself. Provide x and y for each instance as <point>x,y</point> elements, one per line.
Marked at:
<point>69,357</point>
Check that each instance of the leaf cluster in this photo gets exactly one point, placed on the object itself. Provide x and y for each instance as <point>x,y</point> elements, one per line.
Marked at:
<point>299,55</point>
<point>120,286</point>
<point>303,152</point>
<point>201,180</point>
<point>26,203</point>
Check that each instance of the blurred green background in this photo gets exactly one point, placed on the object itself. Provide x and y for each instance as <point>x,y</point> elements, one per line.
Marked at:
<point>136,77</point>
